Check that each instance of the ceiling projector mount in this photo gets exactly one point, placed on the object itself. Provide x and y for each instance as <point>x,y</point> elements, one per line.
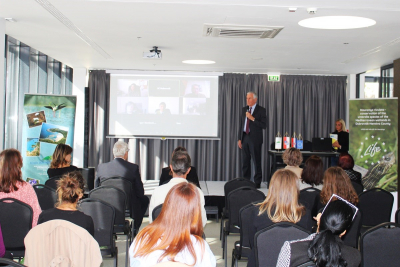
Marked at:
<point>153,54</point>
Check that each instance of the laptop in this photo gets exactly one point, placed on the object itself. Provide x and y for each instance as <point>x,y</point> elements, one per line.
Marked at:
<point>320,144</point>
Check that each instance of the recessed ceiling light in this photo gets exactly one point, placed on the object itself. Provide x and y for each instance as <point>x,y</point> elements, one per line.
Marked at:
<point>198,61</point>
<point>337,22</point>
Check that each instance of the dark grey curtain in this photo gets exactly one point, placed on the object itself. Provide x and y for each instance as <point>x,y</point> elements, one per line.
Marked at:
<point>306,104</point>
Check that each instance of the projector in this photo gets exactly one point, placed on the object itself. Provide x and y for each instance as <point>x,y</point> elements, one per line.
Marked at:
<point>152,55</point>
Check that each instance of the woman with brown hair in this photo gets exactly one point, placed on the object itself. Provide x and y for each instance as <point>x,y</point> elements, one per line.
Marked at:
<point>12,185</point>
<point>280,205</point>
<point>176,234</point>
<point>61,162</point>
<point>337,182</point>
<point>292,158</point>
<point>346,162</point>
<point>70,190</point>
<point>313,173</point>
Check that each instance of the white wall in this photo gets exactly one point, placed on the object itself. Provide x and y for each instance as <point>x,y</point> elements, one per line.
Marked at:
<point>2,75</point>
<point>78,90</point>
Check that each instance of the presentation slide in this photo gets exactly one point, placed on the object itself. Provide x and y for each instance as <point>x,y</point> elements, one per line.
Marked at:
<point>163,106</point>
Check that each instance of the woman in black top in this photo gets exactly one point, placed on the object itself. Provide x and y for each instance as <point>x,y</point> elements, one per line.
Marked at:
<point>69,191</point>
<point>342,144</point>
<point>61,162</point>
<point>166,173</point>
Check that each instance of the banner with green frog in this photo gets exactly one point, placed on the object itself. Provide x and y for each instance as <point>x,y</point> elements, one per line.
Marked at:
<point>373,141</point>
<point>48,120</point>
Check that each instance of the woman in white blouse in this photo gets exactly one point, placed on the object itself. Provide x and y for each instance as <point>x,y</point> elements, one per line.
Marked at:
<point>176,234</point>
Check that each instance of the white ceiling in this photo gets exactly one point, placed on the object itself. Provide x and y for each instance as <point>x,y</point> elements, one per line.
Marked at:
<point>113,29</point>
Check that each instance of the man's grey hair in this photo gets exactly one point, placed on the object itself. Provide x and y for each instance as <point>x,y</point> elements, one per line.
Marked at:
<point>180,162</point>
<point>254,94</point>
<point>120,148</point>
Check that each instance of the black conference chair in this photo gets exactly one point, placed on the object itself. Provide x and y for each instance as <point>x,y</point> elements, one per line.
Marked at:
<point>376,207</point>
<point>10,263</point>
<point>103,215</point>
<point>242,247</point>
<point>397,216</point>
<point>237,199</point>
<point>46,195</point>
<point>310,198</point>
<point>228,187</point>
<point>116,197</point>
<point>88,176</point>
<point>156,211</point>
<point>52,182</point>
<point>380,246</point>
<point>126,186</point>
<point>269,241</point>
<point>353,233</point>
<point>16,221</point>
<point>358,187</point>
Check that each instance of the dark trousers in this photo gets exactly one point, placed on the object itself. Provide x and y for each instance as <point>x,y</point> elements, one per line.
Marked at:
<point>251,151</point>
<point>139,206</point>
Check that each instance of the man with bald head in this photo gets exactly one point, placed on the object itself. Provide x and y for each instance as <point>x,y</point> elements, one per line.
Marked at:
<point>253,119</point>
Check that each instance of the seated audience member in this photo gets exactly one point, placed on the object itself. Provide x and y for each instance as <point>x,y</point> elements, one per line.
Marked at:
<point>70,190</point>
<point>121,167</point>
<point>292,158</point>
<point>346,162</point>
<point>176,234</point>
<point>313,173</point>
<point>280,205</point>
<point>12,185</point>
<point>337,182</point>
<point>180,166</point>
<point>166,173</point>
<point>61,161</point>
<point>325,247</point>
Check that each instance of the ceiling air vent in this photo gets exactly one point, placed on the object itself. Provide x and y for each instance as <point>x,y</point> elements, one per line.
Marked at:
<point>240,31</point>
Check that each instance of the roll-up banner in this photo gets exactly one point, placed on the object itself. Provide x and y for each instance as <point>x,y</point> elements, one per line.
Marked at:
<point>48,120</point>
<point>373,141</point>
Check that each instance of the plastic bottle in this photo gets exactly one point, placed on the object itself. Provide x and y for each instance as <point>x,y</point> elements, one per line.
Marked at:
<point>278,141</point>
<point>300,142</point>
<point>294,140</point>
<point>286,141</point>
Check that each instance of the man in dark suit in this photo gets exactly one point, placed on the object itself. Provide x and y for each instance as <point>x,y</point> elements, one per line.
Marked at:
<point>253,119</point>
<point>122,168</point>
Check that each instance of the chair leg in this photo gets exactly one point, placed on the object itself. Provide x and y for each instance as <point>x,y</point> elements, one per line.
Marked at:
<point>127,250</point>
<point>116,257</point>
<point>225,248</point>
<point>221,227</point>
<point>233,257</point>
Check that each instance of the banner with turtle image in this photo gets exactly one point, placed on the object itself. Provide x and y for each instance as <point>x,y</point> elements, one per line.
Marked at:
<point>373,141</point>
<point>48,120</point>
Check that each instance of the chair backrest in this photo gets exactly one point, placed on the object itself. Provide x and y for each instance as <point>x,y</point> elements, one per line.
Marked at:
<point>239,198</point>
<point>113,196</point>
<point>52,182</point>
<point>88,176</point>
<point>310,198</point>
<point>397,216</point>
<point>46,195</point>
<point>269,241</point>
<point>235,184</point>
<point>103,215</point>
<point>16,221</point>
<point>123,184</point>
<point>244,223</point>
<point>353,233</point>
<point>380,246</point>
<point>156,211</point>
<point>359,188</point>
<point>376,206</point>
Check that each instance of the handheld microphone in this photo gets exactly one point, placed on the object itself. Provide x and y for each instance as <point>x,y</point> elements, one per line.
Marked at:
<point>248,108</point>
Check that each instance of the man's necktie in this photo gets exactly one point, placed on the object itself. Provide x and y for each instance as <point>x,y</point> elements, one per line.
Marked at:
<point>248,123</point>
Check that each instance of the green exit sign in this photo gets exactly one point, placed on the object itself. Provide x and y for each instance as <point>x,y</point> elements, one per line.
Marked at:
<point>273,78</point>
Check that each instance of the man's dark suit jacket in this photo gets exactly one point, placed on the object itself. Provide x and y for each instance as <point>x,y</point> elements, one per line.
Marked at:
<point>256,127</point>
<point>191,177</point>
<point>122,168</point>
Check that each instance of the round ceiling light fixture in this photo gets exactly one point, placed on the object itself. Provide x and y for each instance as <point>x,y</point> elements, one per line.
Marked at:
<point>198,61</point>
<point>337,22</point>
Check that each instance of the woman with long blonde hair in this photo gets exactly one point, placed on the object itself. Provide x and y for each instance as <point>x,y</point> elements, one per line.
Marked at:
<point>176,234</point>
<point>280,205</point>
<point>61,161</point>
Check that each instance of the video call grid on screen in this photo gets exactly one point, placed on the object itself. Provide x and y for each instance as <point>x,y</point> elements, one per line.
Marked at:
<point>181,106</point>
